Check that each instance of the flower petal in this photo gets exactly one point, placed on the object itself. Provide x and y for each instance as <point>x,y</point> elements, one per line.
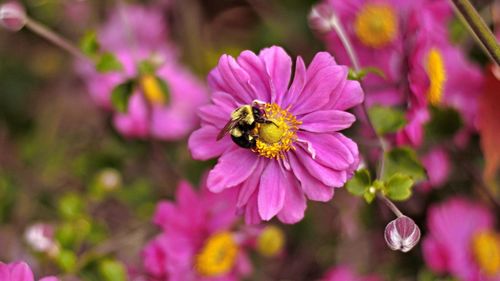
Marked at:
<point>299,81</point>
<point>312,187</point>
<point>327,121</point>
<point>203,144</point>
<point>295,202</point>
<point>20,272</point>
<point>323,77</point>
<point>233,167</point>
<point>350,96</point>
<point>271,194</point>
<point>252,211</point>
<point>249,186</point>
<point>259,77</point>
<point>327,176</point>
<point>229,77</point>
<point>330,151</point>
<point>279,67</point>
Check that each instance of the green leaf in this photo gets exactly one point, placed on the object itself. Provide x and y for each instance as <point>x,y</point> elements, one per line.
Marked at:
<point>71,207</point>
<point>112,270</point>
<point>399,187</point>
<point>108,62</point>
<point>403,160</point>
<point>386,119</point>
<point>353,75</point>
<point>89,44</point>
<point>146,67</point>
<point>164,89</point>
<point>444,123</point>
<point>359,183</point>
<point>121,95</point>
<point>66,260</point>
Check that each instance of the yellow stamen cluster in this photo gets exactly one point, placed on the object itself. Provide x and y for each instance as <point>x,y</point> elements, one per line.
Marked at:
<point>376,25</point>
<point>437,76</point>
<point>277,137</point>
<point>218,255</point>
<point>270,241</point>
<point>486,250</point>
<point>152,89</point>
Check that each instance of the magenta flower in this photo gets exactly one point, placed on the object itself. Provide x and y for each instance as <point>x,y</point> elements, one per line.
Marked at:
<point>152,111</point>
<point>461,241</point>
<point>300,152</point>
<point>437,164</point>
<point>197,240</point>
<point>345,273</point>
<point>19,271</point>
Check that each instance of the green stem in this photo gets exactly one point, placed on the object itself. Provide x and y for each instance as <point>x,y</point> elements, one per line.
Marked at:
<point>478,28</point>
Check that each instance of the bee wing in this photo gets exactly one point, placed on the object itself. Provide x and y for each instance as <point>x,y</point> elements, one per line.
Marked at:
<point>228,127</point>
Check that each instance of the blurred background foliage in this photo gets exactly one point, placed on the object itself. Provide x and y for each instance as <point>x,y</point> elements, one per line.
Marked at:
<point>55,143</point>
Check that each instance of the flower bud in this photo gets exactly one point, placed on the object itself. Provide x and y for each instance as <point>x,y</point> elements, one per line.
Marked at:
<point>402,234</point>
<point>110,179</point>
<point>270,241</point>
<point>322,18</point>
<point>40,237</point>
<point>12,16</point>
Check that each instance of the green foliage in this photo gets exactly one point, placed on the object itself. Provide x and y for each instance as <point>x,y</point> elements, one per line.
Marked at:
<point>71,206</point>
<point>359,183</point>
<point>165,90</point>
<point>89,44</point>
<point>403,160</point>
<point>66,260</point>
<point>112,270</point>
<point>146,67</point>
<point>398,187</point>
<point>444,123</point>
<point>108,62</point>
<point>387,119</point>
<point>121,95</point>
<point>353,75</point>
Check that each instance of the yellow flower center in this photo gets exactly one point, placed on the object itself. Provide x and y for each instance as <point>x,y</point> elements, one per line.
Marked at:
<point>486,250</point>
<point>270,241</point>
<point>153,90</point>
<point>218,255</point>
<point>277,137</point>
<point>376,25</point>
<point>437,76</point>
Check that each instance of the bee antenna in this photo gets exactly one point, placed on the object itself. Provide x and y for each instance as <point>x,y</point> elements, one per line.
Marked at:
<point>258,102</point>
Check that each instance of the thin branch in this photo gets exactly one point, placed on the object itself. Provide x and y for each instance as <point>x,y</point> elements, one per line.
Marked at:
<point>478,28</point>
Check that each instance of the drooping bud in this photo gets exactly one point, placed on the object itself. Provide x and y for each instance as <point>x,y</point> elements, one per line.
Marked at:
<point>322,18</point>
<point>402,234</point>
<point>12,16</point>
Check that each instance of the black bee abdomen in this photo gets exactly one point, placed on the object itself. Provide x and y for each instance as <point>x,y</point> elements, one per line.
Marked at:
<point>244,141</point>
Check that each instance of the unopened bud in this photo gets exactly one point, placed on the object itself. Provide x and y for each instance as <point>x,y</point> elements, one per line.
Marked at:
<point>322,18</point>
<point>110,179</point>
<point>270,241</point>
<point>402,234</point>
<point>40,237</point>
<point>12,16</point>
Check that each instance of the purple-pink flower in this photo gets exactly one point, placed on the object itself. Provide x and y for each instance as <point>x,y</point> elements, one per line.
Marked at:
<point>300,152</point>
<point>462,242</point>
<point>437,163</point>
<point>19,271</point>
<point>198,240</point>
<point>152,110</point>
<point>345,273</point>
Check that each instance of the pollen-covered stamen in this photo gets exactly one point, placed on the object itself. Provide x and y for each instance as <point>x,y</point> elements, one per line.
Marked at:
<point>486,250</point>
<point>218,255</point>
<point>277,136</point>
<point>436,72</point>
<point>153,90</point>
<point>376,25</point>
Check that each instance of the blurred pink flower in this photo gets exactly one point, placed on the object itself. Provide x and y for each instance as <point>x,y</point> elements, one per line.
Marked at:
<point>437,164</point>
<point>40,237</point>
<point>148,114</point>
<point>345,273</point>
<point>19,271</point>
<point>197,240</point>
<point>461,241</point>
<point>308,157</point>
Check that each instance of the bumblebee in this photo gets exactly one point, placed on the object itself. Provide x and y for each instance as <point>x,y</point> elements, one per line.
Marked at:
<point>242,124</point>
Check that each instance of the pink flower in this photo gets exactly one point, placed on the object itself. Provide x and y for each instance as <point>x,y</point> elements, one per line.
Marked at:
<point>194,230</point>
<point>437,164</point>
<point>345,273</point>
<point>152,111</point>
<point>12,16</point>
<point>19,271</point>
<point>300,153</point>
<point>461,241</point>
